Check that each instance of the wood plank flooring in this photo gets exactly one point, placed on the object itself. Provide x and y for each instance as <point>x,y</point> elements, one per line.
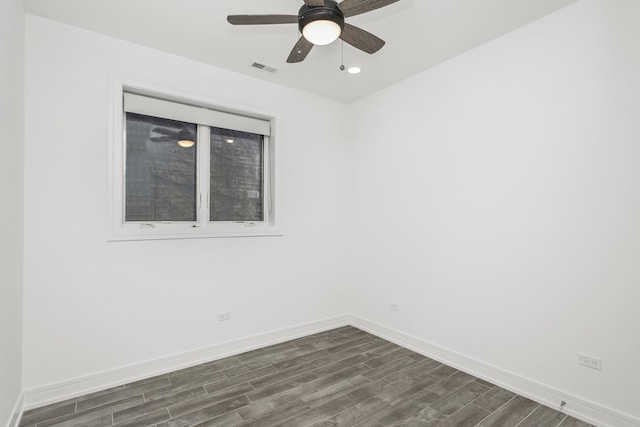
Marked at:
<point>343,377</point>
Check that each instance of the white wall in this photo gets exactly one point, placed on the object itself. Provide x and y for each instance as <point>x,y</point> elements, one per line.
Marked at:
<point>11,210</point>
<point>497,200</point>
<point>92,306</point>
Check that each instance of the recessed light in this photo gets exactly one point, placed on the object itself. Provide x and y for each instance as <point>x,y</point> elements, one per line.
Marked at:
<point>354,70</point>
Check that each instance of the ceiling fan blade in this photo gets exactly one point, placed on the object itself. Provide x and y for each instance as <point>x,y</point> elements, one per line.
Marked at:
<point>300,51</point>
<point>356,7</point>
<point>163,138</point>
<point>314,2</point>
<point>262,19</point>
<point>361,39</point>
<point>164,131</point>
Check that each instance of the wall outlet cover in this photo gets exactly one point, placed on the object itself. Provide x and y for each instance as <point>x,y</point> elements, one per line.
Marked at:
<point>590,362</point>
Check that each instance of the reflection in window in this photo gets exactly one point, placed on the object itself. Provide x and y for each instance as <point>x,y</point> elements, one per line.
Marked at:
<point>160,169</point>
<point>236,179</point>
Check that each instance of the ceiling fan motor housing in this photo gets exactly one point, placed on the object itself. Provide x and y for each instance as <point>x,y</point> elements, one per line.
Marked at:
<point>329,12</point>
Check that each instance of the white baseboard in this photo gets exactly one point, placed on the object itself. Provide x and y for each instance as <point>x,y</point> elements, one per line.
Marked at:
<point>16,414</point>
<point>53,393</point>
<point>577,407</point>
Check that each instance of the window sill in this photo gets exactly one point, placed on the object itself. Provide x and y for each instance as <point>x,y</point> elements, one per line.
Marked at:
<point>183,231</point>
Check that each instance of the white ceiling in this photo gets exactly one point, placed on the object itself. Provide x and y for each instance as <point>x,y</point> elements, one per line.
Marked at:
<point>419,35</point>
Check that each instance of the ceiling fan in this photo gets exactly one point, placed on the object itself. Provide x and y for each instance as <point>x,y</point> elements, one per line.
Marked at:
<point>184,137</point>
<point>321,22</point>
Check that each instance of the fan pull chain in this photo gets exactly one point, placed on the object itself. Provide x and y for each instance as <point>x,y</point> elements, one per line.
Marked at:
<point>342,58</point>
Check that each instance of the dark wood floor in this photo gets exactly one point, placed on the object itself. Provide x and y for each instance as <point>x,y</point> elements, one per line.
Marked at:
<point>343,377</point>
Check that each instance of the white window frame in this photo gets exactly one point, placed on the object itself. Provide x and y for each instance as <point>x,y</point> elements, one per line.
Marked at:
<point>118,229</point>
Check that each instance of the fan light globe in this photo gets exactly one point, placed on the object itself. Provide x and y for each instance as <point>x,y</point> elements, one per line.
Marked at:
<point>185,143</point>
<point>321,32</point>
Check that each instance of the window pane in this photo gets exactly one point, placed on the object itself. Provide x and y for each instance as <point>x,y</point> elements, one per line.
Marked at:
<point>236,176</point>
<point>160,181</point>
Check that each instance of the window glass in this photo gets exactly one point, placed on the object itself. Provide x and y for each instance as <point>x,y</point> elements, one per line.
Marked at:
<point>236,178</point>
<point>160,181</point>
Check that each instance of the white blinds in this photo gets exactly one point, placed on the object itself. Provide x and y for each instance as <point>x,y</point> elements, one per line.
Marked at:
<point>187,113</point>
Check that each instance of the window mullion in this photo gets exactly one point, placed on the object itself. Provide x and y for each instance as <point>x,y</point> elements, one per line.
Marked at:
<point>203,174</point>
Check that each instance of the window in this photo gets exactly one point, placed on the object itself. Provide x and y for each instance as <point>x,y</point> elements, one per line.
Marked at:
<point>184,169</point>
<point>235,183</point>
<point>160,175</point>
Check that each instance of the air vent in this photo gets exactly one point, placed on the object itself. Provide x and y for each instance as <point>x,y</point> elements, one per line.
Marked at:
<point>263,67</point>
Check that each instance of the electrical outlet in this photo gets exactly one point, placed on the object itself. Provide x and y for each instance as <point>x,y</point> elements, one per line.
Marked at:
<point>224,316</point>
<point>393,306</point>
<point>590,362</point>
